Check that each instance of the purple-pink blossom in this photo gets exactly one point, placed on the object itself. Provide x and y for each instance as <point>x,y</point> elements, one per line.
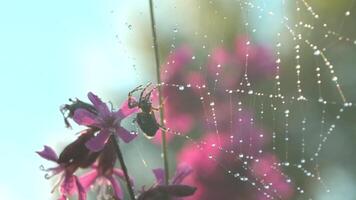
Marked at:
<point>104,174</point>
<point>106,120</point>
<point>174,190</point>
<point>74,156</point>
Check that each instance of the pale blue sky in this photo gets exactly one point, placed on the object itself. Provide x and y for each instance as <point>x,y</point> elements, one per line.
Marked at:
<point>50,51</point>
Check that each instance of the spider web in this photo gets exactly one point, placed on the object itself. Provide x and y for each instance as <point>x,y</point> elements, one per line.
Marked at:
<point>299,108</point>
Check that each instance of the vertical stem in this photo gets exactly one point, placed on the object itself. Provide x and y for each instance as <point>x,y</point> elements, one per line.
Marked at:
<point>155,45</point>
<point>123,167</point>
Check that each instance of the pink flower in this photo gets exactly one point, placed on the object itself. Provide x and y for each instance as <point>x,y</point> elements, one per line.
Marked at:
<point>176,62</point>
<point>182,172</point>
<point>74,156</point>
<point>107,121</point>
<point>104,173</point>
<point>174,190</point>
<point>261,62</point>
<point>214,180</point>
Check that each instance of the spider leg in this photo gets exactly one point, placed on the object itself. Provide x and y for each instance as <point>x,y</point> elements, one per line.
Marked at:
<point>161,105</point>
<point>131,102</point>
<point>135,90</point>
<point>143,90</point>
<point>163,128</point>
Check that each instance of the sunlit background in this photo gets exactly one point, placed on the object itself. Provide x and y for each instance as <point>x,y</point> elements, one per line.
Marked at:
<point>52,51</point>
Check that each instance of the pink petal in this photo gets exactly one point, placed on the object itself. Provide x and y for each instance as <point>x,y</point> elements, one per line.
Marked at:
<point>120,174</point>
<point>159,175</point>
<point>125,111</point>
<point>95,100</point>
<point>88,179</point>
<point>98,104</point>
<point>81,191</point>
<point>182,172</point>
<point>116,186</point>
<point>62,197</point>
<point>48,153</point>
<point>84,117</point>
<point>67,187</point>
<point>98,142</point>
<point>125,135</point>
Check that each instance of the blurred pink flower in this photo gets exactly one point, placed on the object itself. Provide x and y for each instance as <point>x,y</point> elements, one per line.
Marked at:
<point>211,169</point>
<point>184,109</point>
<point>261,62</point>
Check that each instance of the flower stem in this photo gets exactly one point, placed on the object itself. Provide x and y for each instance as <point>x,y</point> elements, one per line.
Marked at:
<point>123,167</point>
<point>155,45</point>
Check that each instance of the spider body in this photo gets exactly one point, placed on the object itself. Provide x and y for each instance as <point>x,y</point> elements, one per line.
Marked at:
<point>148,123</point>
<point>145,119</point>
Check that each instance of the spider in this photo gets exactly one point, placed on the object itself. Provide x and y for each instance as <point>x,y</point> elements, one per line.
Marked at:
<point>145,119</point>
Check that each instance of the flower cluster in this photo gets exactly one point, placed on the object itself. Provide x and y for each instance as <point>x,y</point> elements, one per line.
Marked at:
<point>95,149</point>
<point>223,70</point>
<point>189,112</point>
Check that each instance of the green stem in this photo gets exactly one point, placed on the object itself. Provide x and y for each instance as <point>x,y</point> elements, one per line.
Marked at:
<point>124,168</point>
<point>158,74</point>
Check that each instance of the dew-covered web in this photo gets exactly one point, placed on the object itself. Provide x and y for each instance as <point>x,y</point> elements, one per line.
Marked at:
<point>290,110</point>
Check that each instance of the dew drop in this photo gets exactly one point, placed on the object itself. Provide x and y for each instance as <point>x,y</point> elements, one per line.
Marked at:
<point>347,13</point>
<point>181,88</point>
<point>317,52</point>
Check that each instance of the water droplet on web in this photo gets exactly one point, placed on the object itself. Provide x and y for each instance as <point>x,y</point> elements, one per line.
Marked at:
<point>175,30</point>
<point>317,52</point>
<point>181,88</point>
<point>193,57</point>
<point>347,13</point>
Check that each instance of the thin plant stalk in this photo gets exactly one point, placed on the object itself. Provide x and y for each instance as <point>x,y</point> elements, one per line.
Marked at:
<point>155,46</point>
<point>124,168</point>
